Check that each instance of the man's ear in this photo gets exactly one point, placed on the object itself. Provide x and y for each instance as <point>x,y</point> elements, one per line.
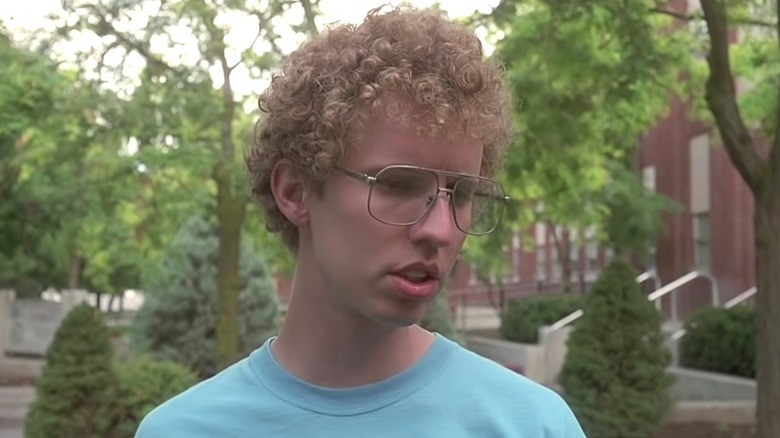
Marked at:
<point>290,188</point>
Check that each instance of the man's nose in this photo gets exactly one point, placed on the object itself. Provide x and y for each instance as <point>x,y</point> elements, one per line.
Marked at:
<point>437,225</point>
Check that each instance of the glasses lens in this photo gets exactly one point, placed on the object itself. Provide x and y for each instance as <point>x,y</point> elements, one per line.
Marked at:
<point>478,204</point>
<point>400,195</point>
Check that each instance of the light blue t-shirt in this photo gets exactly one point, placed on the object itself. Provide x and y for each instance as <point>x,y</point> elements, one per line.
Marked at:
<point>450,392</point>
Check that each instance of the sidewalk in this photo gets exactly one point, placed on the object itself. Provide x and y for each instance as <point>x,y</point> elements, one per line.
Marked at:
<point>14,403</point>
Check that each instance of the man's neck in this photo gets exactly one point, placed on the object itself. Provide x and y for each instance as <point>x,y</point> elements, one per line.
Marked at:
<point>319,345</point>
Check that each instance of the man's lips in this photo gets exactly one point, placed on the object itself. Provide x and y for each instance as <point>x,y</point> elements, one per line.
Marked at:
<point>417,289</point>
<point>419,271</point>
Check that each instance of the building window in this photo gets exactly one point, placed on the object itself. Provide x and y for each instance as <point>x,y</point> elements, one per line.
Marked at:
<point>652,256</point>
<point>574,260</point>
<point>701,240</point>
<point>555,264</point>
<point>591,257</point>
<point>649,178</point>
<point>473,280</point>
<point>540,241</point>
<point>516,256</point>
<point>700,173</point>
<point>609,254</point>
<point>700,199</point>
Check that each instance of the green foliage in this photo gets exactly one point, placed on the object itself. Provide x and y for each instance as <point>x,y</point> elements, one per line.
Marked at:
<point>145,383</point>
<point>28,88</point>
<point>438,318</point>
<point>632,215</point>
<point>65,190</point>
<point>615,375</point>
<point>757,63</point>
<point>178,318</point>
<point>522,319</point>
<point>588,79</point>
<point>76,393</point>
<point>721,340</point>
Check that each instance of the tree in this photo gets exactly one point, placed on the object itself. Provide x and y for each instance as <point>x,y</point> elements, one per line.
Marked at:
<point>184,109</point>
<point>77,391</point>
<point>178,320</point>
<point>758,162</point>
<point>63,182</point>
<point>747,122</point>
<point>615,375</point>
<point>28,85</point>
<point>587,79</point>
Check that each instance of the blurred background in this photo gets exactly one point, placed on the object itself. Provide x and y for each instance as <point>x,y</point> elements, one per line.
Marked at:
<point>646,134</point>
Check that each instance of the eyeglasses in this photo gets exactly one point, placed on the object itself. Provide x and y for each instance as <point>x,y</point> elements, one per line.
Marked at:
<point>402,195</point>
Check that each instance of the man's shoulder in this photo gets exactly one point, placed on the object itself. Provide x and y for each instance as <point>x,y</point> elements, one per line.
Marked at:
<point>503,393</point>
<point>487,372</point>
<point>200,409</point>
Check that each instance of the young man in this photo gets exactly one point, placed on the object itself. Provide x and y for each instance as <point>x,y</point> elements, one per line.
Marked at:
<point>374,161</point>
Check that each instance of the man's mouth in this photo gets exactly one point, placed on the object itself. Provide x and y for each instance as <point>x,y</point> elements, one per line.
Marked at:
<point>416,276</point>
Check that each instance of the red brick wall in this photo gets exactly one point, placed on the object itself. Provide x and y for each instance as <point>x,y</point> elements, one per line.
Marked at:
<point>667,147</point>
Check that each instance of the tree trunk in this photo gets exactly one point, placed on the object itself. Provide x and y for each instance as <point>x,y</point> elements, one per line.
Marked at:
<point>767,230</point>
<point>231,210</point>
<point>566,261</point>
<point>763,179</point>
<point>561,247</point>
<point>74,272</point>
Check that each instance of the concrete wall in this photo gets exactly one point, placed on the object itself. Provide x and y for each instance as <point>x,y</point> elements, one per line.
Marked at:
<point>540,362</point>
<point>695,385</point>
<point>26,368</point>
<point>528,359</point>
<point>543,362</point>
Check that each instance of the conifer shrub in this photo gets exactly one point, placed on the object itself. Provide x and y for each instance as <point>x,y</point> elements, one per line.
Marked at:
<point>77,390</point>
<point>521,320</point>
<point>614,375</point>
<point>178,320</point>
<point>144,384</point>
<point>721,340</point>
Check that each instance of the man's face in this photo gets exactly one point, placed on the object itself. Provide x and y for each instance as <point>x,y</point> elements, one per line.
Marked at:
<point>382,272</point>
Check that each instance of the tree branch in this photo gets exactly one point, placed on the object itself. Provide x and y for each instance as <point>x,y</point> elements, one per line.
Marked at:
<point>721,99</point>
<point>692,17</point>
<point>217,48</point>
<point>251,46</point>
<point>309,13</point>
<point>677,15</point>
<point>262,22</point>
<point>105,27</point>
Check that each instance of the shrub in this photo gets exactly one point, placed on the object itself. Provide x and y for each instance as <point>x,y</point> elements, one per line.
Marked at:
<point>437,318</point>
<point>721,340</point>
<point>614,375</point>
<point>522,319</point>
<point>76,393</point>
<point>179,316</point>
<point>145,383</point>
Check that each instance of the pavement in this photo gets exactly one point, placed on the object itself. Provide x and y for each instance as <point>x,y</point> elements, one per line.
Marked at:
<point>14,404</point>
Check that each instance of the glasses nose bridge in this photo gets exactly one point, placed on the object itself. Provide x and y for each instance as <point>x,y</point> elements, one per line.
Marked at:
<point>432,198</point>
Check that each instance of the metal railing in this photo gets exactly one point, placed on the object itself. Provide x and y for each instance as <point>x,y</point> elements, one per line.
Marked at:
<point>577,314</point>
<point>650,275</point>
<point>676,284</point>
<point>739,299</point>
<point>676,336</point>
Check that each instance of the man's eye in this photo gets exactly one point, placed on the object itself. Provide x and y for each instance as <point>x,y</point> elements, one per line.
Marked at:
<point>393,184</point>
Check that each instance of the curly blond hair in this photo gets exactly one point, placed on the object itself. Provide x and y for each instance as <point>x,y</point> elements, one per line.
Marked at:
<point>331,85</point>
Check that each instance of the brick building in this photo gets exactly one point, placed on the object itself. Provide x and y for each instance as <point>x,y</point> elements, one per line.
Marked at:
<point>712,234</point>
